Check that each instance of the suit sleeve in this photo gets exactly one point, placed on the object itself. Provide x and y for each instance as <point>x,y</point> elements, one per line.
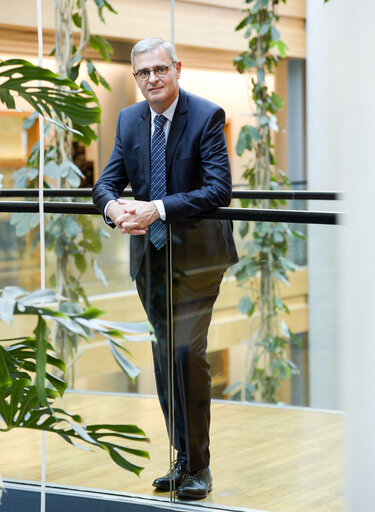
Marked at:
<point>216,182</point>
<point>113,179</point>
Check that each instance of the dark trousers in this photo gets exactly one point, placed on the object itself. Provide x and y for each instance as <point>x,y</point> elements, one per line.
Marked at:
<point>193,298</point>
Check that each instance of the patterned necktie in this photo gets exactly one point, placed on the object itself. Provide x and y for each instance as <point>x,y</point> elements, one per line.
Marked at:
<point>158,178</point>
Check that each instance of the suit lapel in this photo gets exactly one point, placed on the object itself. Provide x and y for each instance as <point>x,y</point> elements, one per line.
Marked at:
<point>144,131</point>
<point>177,128</point>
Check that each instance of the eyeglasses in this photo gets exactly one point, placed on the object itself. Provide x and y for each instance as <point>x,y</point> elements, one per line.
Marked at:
<point>160,71</point>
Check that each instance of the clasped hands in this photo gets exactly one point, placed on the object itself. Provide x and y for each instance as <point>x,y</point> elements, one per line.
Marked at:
<point>132,217</point>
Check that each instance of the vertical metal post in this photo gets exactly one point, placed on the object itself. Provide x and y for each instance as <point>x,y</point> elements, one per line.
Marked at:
<point>173,22</point>
<point>169,297</point>
<point>170,351</point>
<point>41,157</point>
<point>41,232</point>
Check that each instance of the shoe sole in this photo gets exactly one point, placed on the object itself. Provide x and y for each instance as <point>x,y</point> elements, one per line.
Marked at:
<point>165,488</point>
<point>187,495</point>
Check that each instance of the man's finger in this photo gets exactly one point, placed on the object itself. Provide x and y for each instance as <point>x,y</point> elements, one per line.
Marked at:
<point>137,231</point>
<point>129,225</point>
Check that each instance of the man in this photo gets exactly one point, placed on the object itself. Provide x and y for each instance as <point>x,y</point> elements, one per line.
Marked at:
<point>171,149</point>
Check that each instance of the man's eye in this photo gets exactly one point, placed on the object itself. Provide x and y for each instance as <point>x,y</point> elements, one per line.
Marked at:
<point>143,74</point>
<point>161,69</point>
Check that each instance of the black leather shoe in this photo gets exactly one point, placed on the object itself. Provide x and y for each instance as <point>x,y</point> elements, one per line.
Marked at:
<point>178,473</point>
<point>196,485</point>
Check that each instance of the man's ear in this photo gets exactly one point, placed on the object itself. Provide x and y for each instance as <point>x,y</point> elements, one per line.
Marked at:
<point>178,68</point>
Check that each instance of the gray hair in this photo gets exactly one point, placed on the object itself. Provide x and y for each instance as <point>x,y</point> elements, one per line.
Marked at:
<point>147,45</point>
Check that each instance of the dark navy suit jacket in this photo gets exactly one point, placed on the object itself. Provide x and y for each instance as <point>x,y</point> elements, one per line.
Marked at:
<point>198,179</point>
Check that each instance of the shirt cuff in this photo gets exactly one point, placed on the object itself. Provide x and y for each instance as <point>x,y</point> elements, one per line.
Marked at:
<point>108,221</point>
<point>160,208</point>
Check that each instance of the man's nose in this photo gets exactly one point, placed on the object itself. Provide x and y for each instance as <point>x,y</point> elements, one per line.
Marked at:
<point>153,76</point>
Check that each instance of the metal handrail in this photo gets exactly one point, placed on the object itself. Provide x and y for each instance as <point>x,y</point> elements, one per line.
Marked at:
<point>246,214</point>
<point>236,194</point>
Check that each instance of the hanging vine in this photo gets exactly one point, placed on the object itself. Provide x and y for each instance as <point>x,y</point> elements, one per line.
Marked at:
<point>265,264</point>
<point>73,238</point>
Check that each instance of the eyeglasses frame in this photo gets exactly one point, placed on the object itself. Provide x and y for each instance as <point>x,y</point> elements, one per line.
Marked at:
<point>153,71</point>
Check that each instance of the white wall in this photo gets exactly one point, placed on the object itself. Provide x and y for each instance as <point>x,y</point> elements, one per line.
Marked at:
<point>341,82</point>
<point>323,173</point>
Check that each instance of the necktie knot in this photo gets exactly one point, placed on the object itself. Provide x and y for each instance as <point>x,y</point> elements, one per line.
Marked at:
<point>159,121</point>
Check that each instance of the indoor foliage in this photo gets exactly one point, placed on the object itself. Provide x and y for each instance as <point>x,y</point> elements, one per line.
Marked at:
<point>61,98</point>
<point>29,388</point>
<point>265,264</point>
<point>75,240</point>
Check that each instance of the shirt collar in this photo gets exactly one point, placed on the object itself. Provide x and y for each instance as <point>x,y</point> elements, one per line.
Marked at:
<point>169,113</point>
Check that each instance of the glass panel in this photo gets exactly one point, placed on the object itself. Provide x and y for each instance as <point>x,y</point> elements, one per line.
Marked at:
<point>20,449</point>
<point>19,265</point>
<point>100,390</point>
<point>281,456</point>
<point>270,430</point>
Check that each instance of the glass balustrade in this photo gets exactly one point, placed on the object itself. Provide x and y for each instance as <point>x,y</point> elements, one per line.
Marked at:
<point>276,427</point>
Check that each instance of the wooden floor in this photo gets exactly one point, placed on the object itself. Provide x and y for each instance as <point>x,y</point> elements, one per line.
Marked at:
<point>265,458</point>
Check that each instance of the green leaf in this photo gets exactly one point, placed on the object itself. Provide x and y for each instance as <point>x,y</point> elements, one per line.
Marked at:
<point>246,137</point>
<point>63,97</point>
<point>71,228</point>
<point>74,72</point>
<point>5,380</point>
<point>41,358</point>
<point>275,34</point>
<point>282,48</point>
<point>30,121</point>
<point>243,23</point>
<point>77,19</point>
<point>80,262</point>
<point>298,234</point>
<point>86,85</point>
<point>38,297</point>
<point>7,309</point>
<point>243,228</point>
<point>99,273</point>
<point>279,276</point>
<point>129,327</point>
<point>285,329</point>
<point>59,384</point>
<point>277,101</point>
<point>102,46</point>
<point>92,313</point>
<point>246,305</point>
<point>264,29</point>
<point>263,120</point>
<point>123,429</point>
<point>13,292</point>
<point>122,462</point>
<point>129,368</point>
<point>257,6</point>
<point>278,302</point>
<point>51,169</point>
<point>278,238</point>
<point>101,4</point>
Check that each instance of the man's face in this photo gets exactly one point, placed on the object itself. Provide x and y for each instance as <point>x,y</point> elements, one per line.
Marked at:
<point>160,92</point>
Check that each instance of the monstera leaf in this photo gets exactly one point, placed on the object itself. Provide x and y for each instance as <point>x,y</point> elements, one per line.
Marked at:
<point>29,392</point>
<point>57,95</point>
